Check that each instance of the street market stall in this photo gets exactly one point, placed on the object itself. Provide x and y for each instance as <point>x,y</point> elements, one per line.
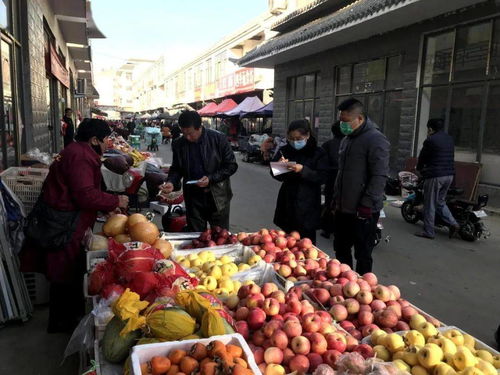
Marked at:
<point>265,302</point>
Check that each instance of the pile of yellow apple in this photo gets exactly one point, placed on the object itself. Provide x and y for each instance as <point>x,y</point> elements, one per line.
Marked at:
<point>215,274</point>
<point>425,351</point>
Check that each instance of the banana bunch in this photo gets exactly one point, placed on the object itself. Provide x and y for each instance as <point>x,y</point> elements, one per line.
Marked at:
<point>136,156</point>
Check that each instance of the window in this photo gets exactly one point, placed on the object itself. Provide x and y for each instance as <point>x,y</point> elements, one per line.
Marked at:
<point>378,85</point>
<point>460,87</point>
<point>209,78</point>
<point>303,96</point>
<point>5,14</point>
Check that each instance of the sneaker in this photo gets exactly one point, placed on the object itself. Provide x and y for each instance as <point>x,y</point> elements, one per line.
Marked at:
<point>424,235</point>
<point>453,229</point>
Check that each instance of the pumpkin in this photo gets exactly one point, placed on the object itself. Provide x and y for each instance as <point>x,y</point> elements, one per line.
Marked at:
<point>115,225</point>
<point>135,219</point>
<point>164,246</point>
<point>123,238</point>
<point>144,232</point>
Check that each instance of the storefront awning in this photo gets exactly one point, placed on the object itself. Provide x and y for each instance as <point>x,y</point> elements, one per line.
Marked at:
<point>249,104</point>
<point>74,32</point>
<point>70,8</point>
<point>209,108</point>
<point>266,111</point>
<point>224,106</point>
<point>360,20</point>
<point>80,53</point>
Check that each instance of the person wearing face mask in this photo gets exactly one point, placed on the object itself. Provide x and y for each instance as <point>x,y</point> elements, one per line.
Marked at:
<point>67,206</point>
<point>437,167</point>
<point>359,187</point>
<point>299,200</point>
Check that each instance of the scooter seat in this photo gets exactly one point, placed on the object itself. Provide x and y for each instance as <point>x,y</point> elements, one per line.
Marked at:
<point>455,191</point>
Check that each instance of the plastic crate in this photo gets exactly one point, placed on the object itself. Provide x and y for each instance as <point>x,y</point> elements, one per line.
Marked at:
<point>38,287</point>
<point>26,183</point>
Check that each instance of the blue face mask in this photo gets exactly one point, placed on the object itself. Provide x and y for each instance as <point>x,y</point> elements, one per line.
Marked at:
<point>299,145</point>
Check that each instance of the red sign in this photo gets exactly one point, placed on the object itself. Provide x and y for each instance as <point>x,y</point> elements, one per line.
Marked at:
<point>57,68</point>
<point>236,83</point>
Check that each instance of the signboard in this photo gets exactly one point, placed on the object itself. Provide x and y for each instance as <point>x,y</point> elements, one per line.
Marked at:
<point>57,68</point>
<point>236,83</point>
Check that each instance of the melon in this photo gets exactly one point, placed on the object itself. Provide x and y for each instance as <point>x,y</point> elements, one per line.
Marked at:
<point>144,232</point>
<point>115,225</point>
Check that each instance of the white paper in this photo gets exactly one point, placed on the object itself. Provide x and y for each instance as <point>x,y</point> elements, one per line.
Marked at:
<point>279,167</point>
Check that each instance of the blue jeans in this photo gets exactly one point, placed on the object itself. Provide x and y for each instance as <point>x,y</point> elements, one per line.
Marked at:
<point>435,190</point>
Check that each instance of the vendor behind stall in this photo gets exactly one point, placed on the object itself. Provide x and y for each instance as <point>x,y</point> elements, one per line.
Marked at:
<point>67,207</point>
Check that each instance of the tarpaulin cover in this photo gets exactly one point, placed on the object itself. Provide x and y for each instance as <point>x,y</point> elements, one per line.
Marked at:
<point>208,109</point>
<point>266,111</point>
<point>225,106</point>
<point>250,104</point>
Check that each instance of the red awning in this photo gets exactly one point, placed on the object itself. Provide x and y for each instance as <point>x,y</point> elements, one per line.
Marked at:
<point>208,109</point>
<point>225,106</point>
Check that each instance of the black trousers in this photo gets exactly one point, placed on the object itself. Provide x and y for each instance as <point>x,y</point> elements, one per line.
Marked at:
<point>352,231</point>
<point>201,210</point>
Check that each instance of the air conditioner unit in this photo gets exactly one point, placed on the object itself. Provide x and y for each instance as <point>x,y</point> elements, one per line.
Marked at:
<point>277,6</point>
<point>80,86</point>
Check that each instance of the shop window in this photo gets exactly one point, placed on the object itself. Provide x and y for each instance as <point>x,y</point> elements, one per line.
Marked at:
<point>5,14</point>
<point>392,116</point>
<point>369,76</point>
<point>394,73</point>
<point>491,143</point>
<point>438,58</point>
<point>303,96</point>
<point>344,79</point>
<point>494,69</point>
<point>471,52</point>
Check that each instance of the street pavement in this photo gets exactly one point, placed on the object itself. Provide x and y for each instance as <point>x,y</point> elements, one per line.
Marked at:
<point>453,280</point>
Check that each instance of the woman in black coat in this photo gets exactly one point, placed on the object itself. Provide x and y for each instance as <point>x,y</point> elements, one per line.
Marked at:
<point>299,200</point>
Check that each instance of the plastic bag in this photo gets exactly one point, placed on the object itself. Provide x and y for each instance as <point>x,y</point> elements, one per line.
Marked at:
<point>352,363</point>
<point>42,157</point>
<point>102,275</point>
<point>103,312</point>
<point>82,338</point>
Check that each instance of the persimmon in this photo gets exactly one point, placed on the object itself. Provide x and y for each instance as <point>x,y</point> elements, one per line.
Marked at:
<point>240,361</point>
<point>240,370</point>
<point>174,369</point>
<point>176,356</point>
<point>198,351</point>
<point>205,360</point>
<point>234,350</point>
<point>209,368</point>
<point>160,365</point>
<point>215,347</point>
<point>188,364</point>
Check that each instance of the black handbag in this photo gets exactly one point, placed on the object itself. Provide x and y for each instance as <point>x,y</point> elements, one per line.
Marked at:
<point>49,228</point>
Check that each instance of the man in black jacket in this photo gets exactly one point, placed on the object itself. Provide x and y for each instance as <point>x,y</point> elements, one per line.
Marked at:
<point>68,128</point>
<point>203,159</point>
<point>437,167</point>
<point>359,187</point>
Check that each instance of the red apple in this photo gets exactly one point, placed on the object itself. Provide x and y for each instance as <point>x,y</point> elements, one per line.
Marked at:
<point>370,278</point>
<point>291,316</point>
<point>299,364</point>
<point>242,328</point>
<point>314,361</point>
<point>402,326</point>
<point>271,306</point>
<point>311,322</point>
<point>363,285</point>
<point>344,267</point>
<point>306,307</point>
<point>386,319</point>
<point>347,325</point>
<point>292,328</point>
<point>351,289</point>
<point>285,270</point>
<point>368,329</point>
<point>321,295</point>
<point>300,345</point>
<point>330,357</point>
<point>294,306</point>
<point>365,350</point>
<point>324,315</point>
<point>336,342</point>
<point>244,291</point>
<point>342,281</point>
<point>364,297</point>
<point>378,305</point>
<point>290,242</point>
<point>365,318</point>
<point>349,275</point>
<point>336,290</point>
<point>332,270</point>
<point>365,308</point>
<point>279,339</point>
<point>336,300</point>
<point>255,300</point>
<point>297,291</point>
<point>338,312</point>
<point>351,305</point>
<point>268,288</point>
<point>407,312</point>
<point>395,291</point>
<point>242,313</point>
<point>258,338</point>
<point>256,318</point>
<point>382,293</point>
<point>288,354</point>
<point>271,327</point>
<point>273,355</point>
<point>396,307</point>
<point>403,302</point>
<point>258,354</point>
<point>318,343</point>
<point>351,343</point>
<point>356,334</point>
<point>295,235</point>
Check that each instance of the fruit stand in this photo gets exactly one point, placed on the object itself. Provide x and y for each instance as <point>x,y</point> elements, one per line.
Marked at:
<point>265,302</point>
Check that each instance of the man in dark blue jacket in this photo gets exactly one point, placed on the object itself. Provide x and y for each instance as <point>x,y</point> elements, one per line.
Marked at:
<point>437,166</point>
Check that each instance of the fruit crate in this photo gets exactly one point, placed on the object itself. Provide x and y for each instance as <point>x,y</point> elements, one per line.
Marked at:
<point>177,236</point>
<point>480,345</point>
<point>144,353</point>
<point>25,183</point>
<point>217,250</point>
<point>38,287</point>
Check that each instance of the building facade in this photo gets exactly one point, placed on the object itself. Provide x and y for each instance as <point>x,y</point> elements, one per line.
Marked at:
<point>214,74</point>
<point>408,61</point>
<point>46,67</point>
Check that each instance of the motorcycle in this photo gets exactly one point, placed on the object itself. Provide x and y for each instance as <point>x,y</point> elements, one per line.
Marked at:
<point>467,214</point>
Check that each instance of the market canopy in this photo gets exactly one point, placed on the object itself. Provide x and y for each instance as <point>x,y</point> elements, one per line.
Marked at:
<point>209,108</point>
<point>265,111</point>
<point>250,104</point>
<point>224,106</point>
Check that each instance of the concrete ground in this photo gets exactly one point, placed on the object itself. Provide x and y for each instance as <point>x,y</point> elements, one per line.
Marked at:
<point>453,280</point>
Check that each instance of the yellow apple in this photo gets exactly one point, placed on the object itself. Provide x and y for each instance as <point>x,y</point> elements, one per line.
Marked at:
<point>430,355</point>
<point>486,367</point>
<point>382,353</point>
<point>496,361</point>
<point>394,342</point>
<point>419,370</point>
<point>463,358</point>
<point>471,371</point>
<point>400,364</point>
<point>410,356</point>
<point>427,329</point>
<point>446,345</point>
<point>443,369</point>
<point>448,358</point>
<point>376,336</point>
<point>469,341</point>
<point>226,284</point>
<point>216,272</point>
<point>486,355</point>
<point>417,320</point>
<point>210,283</point>
<point>454,335</point>
<point>413,338</point>
<point>398,355</point>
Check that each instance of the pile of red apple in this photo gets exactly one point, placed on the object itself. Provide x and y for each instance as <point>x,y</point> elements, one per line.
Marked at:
<point>215,236</point>
<point>283,329</point>
<point>276,246</point>
<point>359,303</point>
<point>304,270</point>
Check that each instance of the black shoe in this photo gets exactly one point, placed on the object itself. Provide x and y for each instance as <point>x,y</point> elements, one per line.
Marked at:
<point>424,235</point>
<point>453,229</point>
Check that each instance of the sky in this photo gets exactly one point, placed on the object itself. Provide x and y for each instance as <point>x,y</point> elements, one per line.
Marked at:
<point>180,28</point>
